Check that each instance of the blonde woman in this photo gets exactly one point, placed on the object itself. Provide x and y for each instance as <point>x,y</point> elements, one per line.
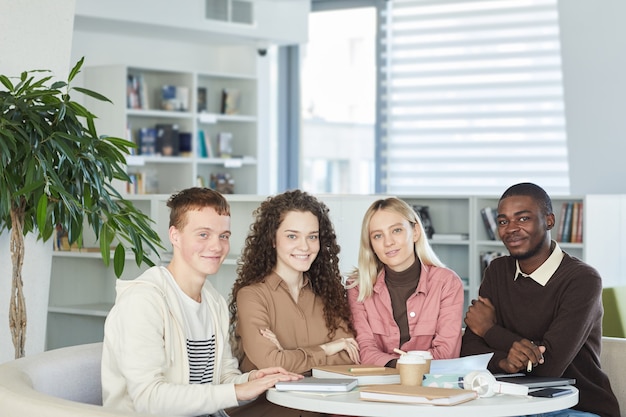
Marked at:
<point>401,295</point>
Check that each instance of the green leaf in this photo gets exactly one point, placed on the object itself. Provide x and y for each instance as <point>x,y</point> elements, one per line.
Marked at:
<point>58,85</point>
<point>105,248</point>
<point>119,259</point>
<point>42,212</point>
<point>92,94</point>
<point>6,82</point>
<point>76,69</point>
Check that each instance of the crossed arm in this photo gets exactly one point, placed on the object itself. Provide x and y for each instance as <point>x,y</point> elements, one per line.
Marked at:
<point>571,322</point>
<point>287,341</point>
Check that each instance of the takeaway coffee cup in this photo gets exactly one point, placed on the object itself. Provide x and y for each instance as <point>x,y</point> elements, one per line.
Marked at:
<point>411,369</point>
<point>428,357</point>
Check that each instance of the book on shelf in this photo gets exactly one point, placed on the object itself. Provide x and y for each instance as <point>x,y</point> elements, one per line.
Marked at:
<point>136,94</point>
<point>565,228</point>
<point>185,139</point>
<point>174,98</point>
<point>137,183</point>
<point>416,394</point>
<point>570,227</point>
<point>231,98</point>
<point>132,92</point>
<point>559,234</point>
<point>489,215</point>
<point>225,144</point>
<point>201,100</point>
<point>202,151</point>
<point>205,148</point>
<point>574,232</point>
<point>318,384</point>
<point>147,141</point>
<point>364,374</point>
<point>424,215</point>
<point>167,140</point>
<point>578,237</point>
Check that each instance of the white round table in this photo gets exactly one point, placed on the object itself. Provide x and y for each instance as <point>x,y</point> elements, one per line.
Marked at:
<point>349,404</point>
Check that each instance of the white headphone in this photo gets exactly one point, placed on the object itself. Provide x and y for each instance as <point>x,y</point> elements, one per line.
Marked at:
<point>485,384</point>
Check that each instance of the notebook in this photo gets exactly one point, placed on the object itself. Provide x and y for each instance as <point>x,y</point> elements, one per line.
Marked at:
<point>537,381</point>
<point>365,374</point>
<point>318,384</point>
<point>416,394</point>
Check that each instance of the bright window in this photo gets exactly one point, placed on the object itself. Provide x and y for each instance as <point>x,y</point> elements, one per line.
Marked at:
<point>474,99</point>
<point>338,102</point>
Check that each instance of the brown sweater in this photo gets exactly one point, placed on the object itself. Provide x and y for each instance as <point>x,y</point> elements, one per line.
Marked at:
<point>300,328</point>
<point>565,316</point>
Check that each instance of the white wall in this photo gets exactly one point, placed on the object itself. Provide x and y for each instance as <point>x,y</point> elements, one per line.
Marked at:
<point>101,48</point>
<point>593,45</point>
<point>275,22</point>
<point>34,34</point>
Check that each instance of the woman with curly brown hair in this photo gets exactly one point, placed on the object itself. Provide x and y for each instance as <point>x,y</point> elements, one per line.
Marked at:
<point>288,306</point>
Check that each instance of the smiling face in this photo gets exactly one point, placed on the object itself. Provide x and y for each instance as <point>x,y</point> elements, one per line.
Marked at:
<point>524,229</point>
<point>203,242</point>
<point>297,243</point>
<point>393,239</point>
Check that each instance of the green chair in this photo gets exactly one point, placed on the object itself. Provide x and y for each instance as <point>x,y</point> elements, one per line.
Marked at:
<point>614,320</point>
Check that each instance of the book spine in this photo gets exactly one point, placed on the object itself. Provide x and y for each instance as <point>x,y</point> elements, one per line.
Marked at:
<point>208,146</point>
<point>559,235</point>
<point>202,152</point>
<point>489,222</point>
<point>567,223</point>
<point>579,237</point>
<point>574,233</point>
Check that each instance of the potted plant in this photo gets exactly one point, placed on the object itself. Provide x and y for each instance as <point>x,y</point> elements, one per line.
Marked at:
<point>56,172</point>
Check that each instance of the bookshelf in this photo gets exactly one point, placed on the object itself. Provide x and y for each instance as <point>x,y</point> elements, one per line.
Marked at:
<point>137,94</point>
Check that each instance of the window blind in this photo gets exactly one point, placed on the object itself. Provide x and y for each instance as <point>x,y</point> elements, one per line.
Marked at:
<point>472,97</point>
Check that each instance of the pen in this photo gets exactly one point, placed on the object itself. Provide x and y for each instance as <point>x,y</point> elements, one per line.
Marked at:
<point>372,369</point>
<point>399,352</point>
<point>529,368</point>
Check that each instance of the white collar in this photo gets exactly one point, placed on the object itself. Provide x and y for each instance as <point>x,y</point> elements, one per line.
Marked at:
<point>543,274</point>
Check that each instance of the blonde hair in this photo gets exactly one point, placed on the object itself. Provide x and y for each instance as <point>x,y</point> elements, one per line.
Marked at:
<point>369,265</point>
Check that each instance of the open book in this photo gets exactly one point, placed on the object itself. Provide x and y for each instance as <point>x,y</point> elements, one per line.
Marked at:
<point>416,394</point>
<point>365,374</point>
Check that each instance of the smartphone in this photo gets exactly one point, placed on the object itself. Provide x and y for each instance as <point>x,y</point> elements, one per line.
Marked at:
<point>550,392</point>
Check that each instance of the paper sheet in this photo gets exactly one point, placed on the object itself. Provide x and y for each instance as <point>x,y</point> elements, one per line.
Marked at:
<point>462,365</point>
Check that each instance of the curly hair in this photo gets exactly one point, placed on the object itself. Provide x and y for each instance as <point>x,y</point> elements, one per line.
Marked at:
<point>259,258</point>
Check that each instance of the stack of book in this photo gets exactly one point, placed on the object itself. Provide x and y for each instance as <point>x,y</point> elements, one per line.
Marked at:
<point>570,227</point>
